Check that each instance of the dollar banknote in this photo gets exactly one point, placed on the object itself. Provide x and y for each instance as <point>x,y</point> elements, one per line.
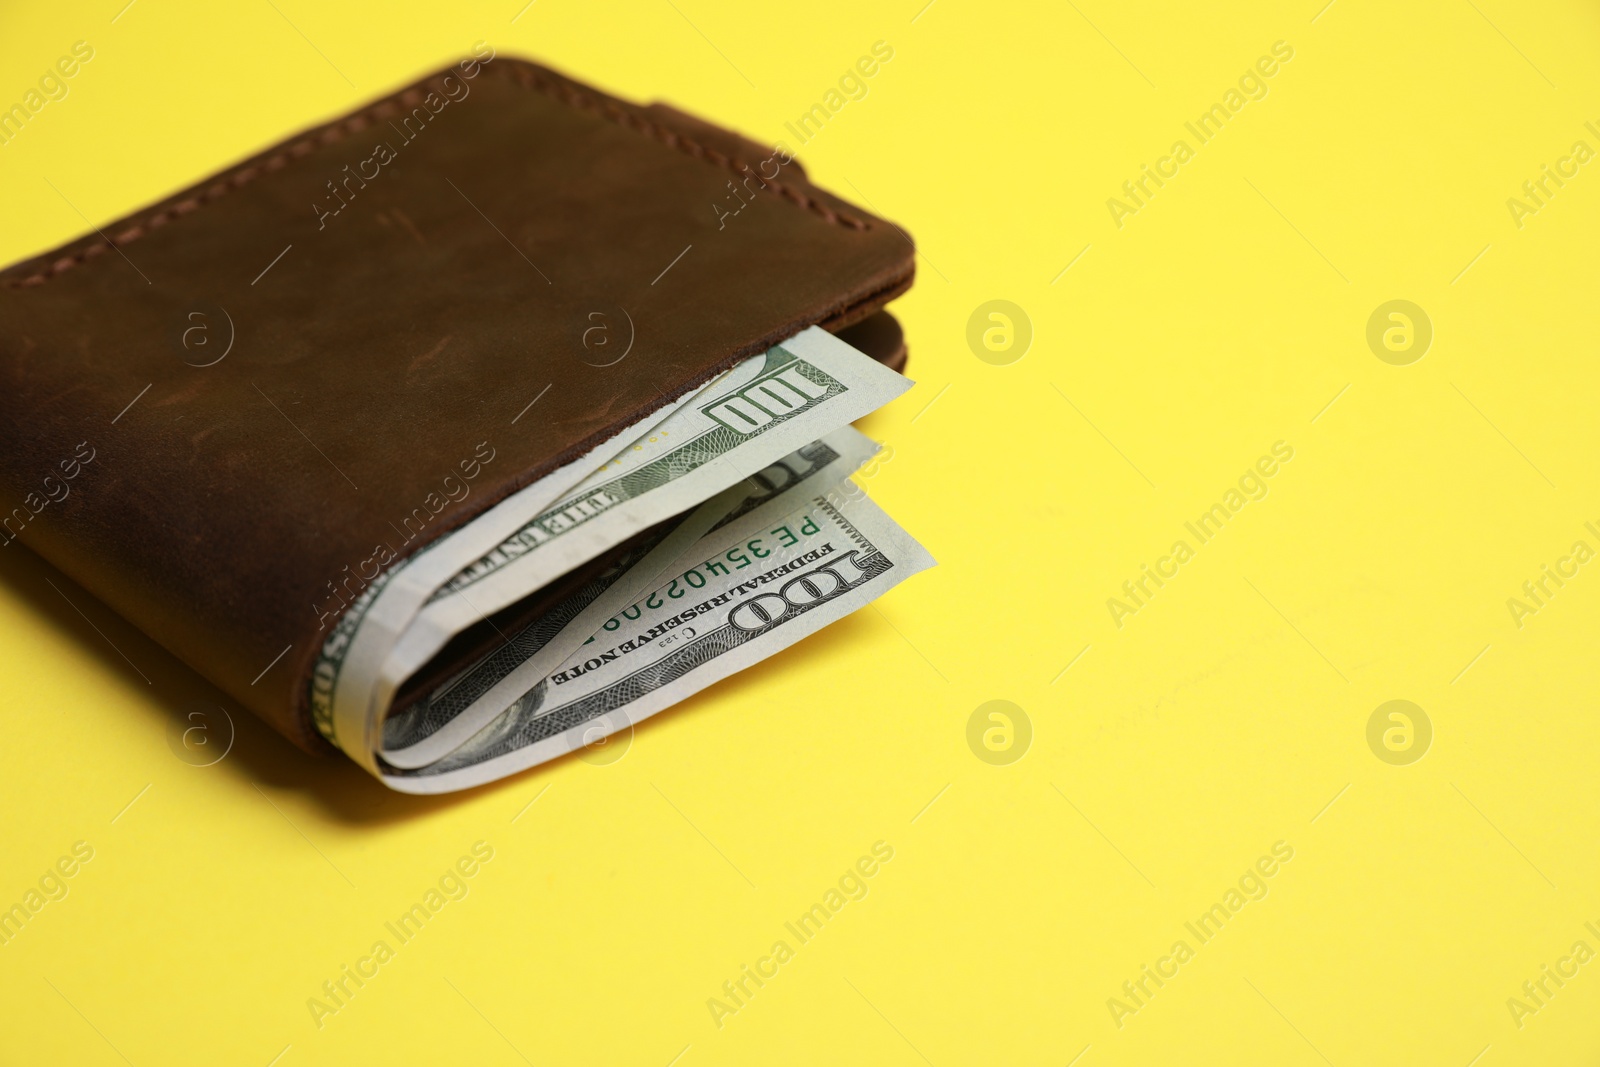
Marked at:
<point>743,599</point>
<point>664,466</point>
<point>430,728</point>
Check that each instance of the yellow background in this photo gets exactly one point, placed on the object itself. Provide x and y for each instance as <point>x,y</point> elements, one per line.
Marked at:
<point>1224,716</point>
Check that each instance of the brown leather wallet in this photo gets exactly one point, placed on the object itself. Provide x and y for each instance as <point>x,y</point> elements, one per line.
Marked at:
<point>216,407</point>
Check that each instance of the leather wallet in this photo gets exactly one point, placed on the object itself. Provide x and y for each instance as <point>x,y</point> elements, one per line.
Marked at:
<point>215,405</point>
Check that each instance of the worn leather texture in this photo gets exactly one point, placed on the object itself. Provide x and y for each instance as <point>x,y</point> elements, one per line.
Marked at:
<point>274,368</point>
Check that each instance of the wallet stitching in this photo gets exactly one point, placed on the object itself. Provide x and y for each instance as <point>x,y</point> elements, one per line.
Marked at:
<point>526,75</point>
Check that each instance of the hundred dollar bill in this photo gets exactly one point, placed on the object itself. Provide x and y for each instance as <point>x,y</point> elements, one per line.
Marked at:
<point>738,604</point>
<point>452,713</point>
<point>752,415</point>
<point>762,410</point>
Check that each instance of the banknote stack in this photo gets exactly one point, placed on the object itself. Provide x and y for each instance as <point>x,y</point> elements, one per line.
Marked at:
<point>708,536</point>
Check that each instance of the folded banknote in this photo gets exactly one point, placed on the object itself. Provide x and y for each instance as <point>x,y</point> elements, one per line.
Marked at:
<point>726,534</point>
